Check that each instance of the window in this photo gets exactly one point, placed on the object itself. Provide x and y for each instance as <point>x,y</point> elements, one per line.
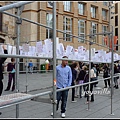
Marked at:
<point>67,27</point>
<point>104,28</point>
<point>49,5</point>
<point>104,38</point>
<point>67,6</point>
<point>116,20</point>
<point>49,33</point>
<point>94,30</point>
<point>0,20</point>
<point>81,8</point>
<point>104,14</point>
<point>116,31</point>
<point>81,30</point>
<point>116,8</point>
<point>105,3</point>
<point>93,12</point>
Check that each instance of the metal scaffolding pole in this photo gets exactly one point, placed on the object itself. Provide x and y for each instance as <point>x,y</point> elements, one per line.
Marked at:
<point>18,23</point>
<point>14,5</point>
<point>26,74</point>
<point>17,61</point>
<point>89,94</point>
<point>109,23</point>
<point>112,69</point>
<point>54,59</point>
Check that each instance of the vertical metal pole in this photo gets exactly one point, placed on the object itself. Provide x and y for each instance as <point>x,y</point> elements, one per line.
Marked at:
<point>109,24</point>
<point>112,70</point>
<point>17,59</point>
<point>54,59</point>
<point>26,74</point>
<point>89,74</point>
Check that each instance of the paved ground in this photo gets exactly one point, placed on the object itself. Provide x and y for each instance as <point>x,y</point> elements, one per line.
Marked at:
<point>40,82</point>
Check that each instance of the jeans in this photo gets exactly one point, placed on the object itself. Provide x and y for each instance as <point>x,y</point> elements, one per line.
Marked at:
<point>31,69</point>
<point>107,81</point>
<point>80,90</point>
<point>116,81</point>
<point>62,95</point>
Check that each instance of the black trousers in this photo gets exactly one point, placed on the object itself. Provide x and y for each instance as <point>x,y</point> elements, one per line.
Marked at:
<point>73,91</point>
<point>107,82</point>
<point>91,90</point>
<point>1,87</point>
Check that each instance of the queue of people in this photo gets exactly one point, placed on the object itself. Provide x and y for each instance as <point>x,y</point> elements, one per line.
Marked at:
<point>79,74</point>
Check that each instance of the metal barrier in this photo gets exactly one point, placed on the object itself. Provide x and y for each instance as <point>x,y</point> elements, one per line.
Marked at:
<point>19,7</point>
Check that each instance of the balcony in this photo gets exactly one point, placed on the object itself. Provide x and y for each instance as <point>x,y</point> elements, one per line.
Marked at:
<point>3,29</point>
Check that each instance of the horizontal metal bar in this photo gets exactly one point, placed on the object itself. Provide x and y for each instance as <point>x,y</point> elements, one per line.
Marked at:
<point>28,41</point>
<point>33,57</point>
<point>23,56</point>
<point>62,89</point>
<point>14,5</point>
<point>27,71</point>
<point>80,60</point>
<point>24,99</point>
<point>103,33</point>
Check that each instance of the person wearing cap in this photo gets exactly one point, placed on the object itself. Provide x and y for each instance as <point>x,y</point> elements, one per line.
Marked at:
<point>63,80</point>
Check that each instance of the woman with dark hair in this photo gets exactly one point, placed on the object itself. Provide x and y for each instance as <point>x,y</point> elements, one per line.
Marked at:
<point>80,79</point>
<point>106,72</point>
<point>11,70</point>
<point>74,68</point>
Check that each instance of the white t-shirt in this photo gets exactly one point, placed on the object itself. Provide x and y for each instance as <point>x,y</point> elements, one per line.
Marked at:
<point>92,73</point>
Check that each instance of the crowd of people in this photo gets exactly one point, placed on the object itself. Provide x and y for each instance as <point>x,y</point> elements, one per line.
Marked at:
<point>78,73</point>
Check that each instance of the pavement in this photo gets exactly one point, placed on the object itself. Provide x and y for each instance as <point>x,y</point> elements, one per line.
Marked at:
<point>42,82</point>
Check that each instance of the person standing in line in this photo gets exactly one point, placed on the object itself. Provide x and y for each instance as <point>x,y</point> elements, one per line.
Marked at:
<point>80,79</point>
<point>2,60</point>
<point>76,82</point>
<point>11,70</point>
<point>63,80</point>
<point>96,72</point>
<point>30,65</point>
<point>92,78</point>
<point>74,67</point>
<point>118,66</point>
<point>116,78</point>
<point>106,72</point>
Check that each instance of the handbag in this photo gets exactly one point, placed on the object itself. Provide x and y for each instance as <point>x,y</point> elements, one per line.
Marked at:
<point>81,81</point>
<point>13,71</point>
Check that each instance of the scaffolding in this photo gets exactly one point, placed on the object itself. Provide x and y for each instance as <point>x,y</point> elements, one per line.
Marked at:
<point>5,101</point>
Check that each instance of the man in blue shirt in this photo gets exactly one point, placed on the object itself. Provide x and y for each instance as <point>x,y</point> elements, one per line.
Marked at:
<point>63,80</point>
